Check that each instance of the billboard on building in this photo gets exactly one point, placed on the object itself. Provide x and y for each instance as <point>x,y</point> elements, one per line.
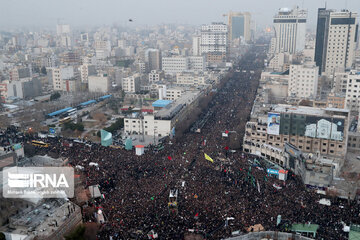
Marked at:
<point>326,128</point>
<point>273,123</point>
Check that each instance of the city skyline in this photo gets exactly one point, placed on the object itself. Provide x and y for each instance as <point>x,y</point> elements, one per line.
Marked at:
<point>93,13</point>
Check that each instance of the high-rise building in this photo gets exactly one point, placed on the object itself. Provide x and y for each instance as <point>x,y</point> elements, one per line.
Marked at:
<point>336,37</point>
<point>154,59</point>
<point>290,30</point>
<point>214,42</point>
<point>239,25</point>
<point>64,38</point>
<point>196,45</point>
<point>322,30</point>
<point>62,29</point>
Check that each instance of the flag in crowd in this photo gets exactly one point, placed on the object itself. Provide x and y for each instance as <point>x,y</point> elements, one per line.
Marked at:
<point>207,157</point>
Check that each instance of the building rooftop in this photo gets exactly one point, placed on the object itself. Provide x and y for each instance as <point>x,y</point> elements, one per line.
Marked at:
<point>307,110</point>
<point>42,220</point>
<point>161,103</point>
<point>172,109</point>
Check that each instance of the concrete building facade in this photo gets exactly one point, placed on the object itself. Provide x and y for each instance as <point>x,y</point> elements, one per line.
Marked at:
<point>311,130</point>
<point>336,39</point>
<point>303,82</point>
<point>290,30</point>
<point>214,41</point>
<point>100,83</point>
<point>239,25</point>
<point>131,84</point>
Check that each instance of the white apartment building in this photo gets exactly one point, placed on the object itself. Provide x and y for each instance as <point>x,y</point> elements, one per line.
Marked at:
<point>214,38</point>
<point>171,65</point>
<point>352,98</point>
<point>100,83</point>
<point>173,93</point>
<point>65,41</point>
<point>290,30</point>
<point>178,64</point>
<point>190,79</point>
<point>62,29</point>
<point>86,70</point>
<point>303,81</point>
<point>152,126</point>
<point>280,62</point>
<point>131,84</point>
<point>155,76</point>
<point>196,45</point>
<point>56,78</point>
<point>59,75</point>
<point>197,63</point>
<point>140,66</point>
<point>341,42</point>
<point>340,82</point>
<point>102,49</point>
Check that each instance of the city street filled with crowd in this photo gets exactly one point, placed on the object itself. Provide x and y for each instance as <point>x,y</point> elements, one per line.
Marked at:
<point>215,198</point>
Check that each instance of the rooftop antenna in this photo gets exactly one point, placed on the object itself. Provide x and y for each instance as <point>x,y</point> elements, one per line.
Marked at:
<point>346,4</point>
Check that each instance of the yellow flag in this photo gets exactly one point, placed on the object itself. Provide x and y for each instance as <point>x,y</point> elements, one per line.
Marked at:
<point>207,157</point>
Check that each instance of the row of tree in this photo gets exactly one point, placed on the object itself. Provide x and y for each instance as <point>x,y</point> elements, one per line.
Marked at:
<point>119,124</point>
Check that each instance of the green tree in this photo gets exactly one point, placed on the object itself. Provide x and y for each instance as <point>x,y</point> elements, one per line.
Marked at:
<point>74,126</point>
<point>77,233</point>
<point>36,69</point>
<point>114,127</point>
<point>43,70</point>
<point>55,96</point>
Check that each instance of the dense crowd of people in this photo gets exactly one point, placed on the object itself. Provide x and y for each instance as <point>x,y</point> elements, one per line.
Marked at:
<point>215,198</point>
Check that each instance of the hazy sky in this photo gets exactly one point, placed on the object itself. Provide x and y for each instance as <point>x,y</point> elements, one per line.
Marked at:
<point>97,12</point>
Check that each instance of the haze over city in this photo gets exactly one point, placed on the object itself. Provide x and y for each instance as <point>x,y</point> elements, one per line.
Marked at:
<point>180,120</point>
<point>37,13</point>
